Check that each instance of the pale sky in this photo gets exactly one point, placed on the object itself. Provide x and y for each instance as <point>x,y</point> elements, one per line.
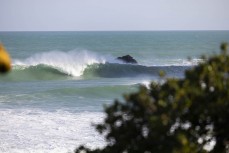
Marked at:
<point>117,15</point>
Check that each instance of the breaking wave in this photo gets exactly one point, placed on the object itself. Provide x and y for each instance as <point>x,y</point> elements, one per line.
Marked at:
<point>59,65</point>
<point>71,63</point>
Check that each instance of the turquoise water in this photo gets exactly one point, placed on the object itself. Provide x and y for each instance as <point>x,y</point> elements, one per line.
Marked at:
<point>61,80</point>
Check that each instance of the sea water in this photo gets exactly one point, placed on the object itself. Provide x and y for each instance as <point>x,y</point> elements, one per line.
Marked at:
<point>60,81</point>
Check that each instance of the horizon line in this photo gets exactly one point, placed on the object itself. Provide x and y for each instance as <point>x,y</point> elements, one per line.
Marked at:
<point>109,30</point>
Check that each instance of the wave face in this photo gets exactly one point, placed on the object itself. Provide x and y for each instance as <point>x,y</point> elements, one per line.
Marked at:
<point>77,64</point>
<point>113,70</point>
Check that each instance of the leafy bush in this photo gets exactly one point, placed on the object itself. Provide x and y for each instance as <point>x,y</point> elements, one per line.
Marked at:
<point>180,115</point>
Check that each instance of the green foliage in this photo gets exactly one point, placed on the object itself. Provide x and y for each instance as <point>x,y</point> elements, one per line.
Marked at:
<point>178,116</point>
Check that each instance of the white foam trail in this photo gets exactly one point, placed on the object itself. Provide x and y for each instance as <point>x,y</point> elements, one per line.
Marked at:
<point>72,62</point>
<point>146,83</point>
<point>172,62</point>
<point>185,62</point>
<point>36,131</point>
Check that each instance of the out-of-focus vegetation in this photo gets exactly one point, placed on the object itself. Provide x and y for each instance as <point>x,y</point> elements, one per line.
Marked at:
<point>186,115</point>
<point>5,62</point>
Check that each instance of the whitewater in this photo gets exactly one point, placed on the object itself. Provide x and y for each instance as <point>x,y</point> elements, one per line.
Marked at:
<point>61,81</point>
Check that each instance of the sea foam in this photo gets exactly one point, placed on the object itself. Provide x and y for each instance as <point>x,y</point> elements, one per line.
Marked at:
<point>37,131</point>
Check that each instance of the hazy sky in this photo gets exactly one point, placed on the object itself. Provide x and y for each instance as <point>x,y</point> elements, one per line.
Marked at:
<point>83,15</point>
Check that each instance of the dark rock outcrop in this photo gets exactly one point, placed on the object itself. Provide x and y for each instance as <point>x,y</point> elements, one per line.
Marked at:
<point>127,59</point>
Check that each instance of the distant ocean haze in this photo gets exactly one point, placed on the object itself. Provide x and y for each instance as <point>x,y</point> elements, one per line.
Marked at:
<point>61,80</point>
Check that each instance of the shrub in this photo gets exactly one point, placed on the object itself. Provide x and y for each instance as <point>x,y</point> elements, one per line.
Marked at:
<point>181,115</point>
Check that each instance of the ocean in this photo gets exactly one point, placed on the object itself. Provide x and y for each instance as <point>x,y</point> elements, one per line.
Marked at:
<point>61,81</point>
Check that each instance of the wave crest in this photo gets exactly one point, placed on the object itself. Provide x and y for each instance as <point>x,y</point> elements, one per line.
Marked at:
<point>71,63</point>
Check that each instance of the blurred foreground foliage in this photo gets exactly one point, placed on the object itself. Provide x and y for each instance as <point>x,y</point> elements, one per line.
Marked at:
<point>177,116</point>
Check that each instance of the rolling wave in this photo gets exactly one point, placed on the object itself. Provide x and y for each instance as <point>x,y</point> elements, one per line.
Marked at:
<point>107,70</point>
<point>79,64</point>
